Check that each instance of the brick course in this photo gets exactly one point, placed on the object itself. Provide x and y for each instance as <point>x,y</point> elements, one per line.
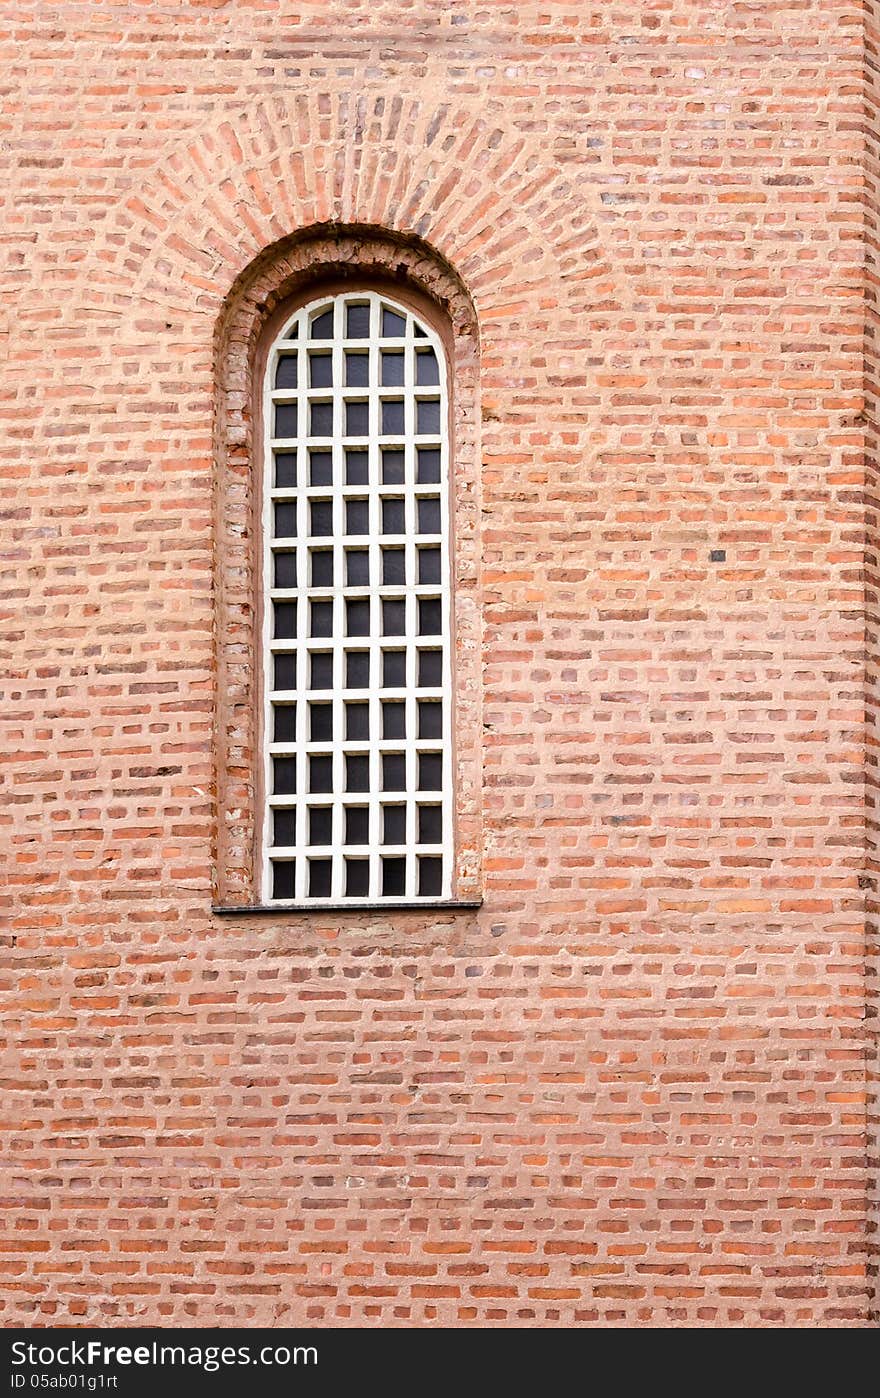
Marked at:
<point>631,1089</point>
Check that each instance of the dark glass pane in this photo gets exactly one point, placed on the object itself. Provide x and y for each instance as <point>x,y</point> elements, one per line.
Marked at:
<point>394,618</point>
<point>430,771</point>
<point>357,370</point>
<point>419,331</point>
<point>430,615</point>
<point>322,567</point>
<point>357,322</point>
<point>284,776</point>
<point>320,878</point>
<point>393,878</point>
<point>357,773</point>
<point>429,516</point>
<point>393,825</point>
<point>357,878</point>
<point>357,618</point>
<point>430,825</point>
<point>320,468</point>
<point>393,669</point>
<point>285,570</point>
<point>321,420</point>
<point>357,669</point>
<point>320,774</point>
<point>393,567</point>
<point>321,723</point>
<point>427,368</point>
<point>285,372</point>
<point>320,825</point>
<point>430,719</point>
<point>320,371</point>
<point>285,723</point>
<point>429,565</point>
<point>357,517</point>
<point>357,825</point>
<point>392,369</point>
<point>285,621</point>
<point>321,514</point>
<point>392,517</point>
<point>357,419</point>
<point>285,419</point>
<point>321,671</point>
<point>285,520</point>
<point>357,722</point>
<point>393,325</point>
<point>430,669</point>
<point>393,719</point>
<point>430,876</point>
<point>291,332</point>
<point>321,619</point>
<point>284,827</point>
<point>393,771</point>
<point>322,326</point>
<point>392,417</point>
<point>428,416</point>
<point>285,469</point>
<point>357,567</point>
<point>284,878</point>
<point>356,466</point>
<point>392,466</point>
<point>427,465</point>
<point>284,672</point>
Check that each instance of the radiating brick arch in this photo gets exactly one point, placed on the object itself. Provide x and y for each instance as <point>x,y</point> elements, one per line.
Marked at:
<point>477,191</point>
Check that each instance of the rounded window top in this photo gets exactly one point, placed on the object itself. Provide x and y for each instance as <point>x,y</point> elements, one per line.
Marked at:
<point>356,318</point>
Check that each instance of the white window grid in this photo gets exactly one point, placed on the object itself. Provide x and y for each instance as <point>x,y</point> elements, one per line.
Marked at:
<point>314,867</point>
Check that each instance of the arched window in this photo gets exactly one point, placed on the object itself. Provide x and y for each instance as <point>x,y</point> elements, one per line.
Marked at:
<point>357,696</point>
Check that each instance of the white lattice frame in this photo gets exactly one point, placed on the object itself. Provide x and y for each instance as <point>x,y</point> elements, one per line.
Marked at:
<point>298,343</point>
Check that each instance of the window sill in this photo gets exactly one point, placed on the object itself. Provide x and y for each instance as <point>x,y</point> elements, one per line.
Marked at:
<point>426,905</point>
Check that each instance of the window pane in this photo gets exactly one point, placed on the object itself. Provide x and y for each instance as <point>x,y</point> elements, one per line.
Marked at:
<point>285,723</point>
<point>357,322</point>
<point>285,373</point>
<point>285,469</point>
<point>285,570</point>
<point>320,371</point>
<point>393,878</point>
<point>357,825</point>
<point>356,467</point>
<point>285,420</point>
<point>430,876</point>
<point>284,826</point>
<point>393,825</point>
<point>320,825</point>
<point>283,878</point>
<point>392,466</point>
<point>322,326</point>
<point>427,368</point>
<point>357,370</point>
<point>393,325</point>
<point>320,468</point>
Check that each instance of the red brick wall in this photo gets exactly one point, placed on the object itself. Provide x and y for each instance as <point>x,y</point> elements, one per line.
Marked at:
<point>631,1088</point>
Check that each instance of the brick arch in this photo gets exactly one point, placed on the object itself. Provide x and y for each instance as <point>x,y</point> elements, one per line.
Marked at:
<point>275,275</point>
<point>476,191</point>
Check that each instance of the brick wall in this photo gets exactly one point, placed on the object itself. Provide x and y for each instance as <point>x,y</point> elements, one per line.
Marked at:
<point>630,1089</point>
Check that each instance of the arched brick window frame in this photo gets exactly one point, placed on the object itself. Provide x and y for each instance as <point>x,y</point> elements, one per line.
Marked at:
<point>284,274</point>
